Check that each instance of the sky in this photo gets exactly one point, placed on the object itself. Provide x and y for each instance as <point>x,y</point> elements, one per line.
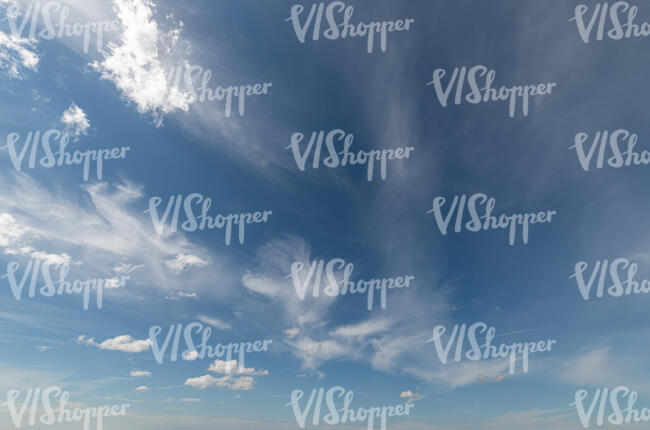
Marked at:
<point>245,156</point>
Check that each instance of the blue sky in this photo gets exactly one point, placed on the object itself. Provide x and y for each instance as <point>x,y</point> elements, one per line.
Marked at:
<point>118,97</point>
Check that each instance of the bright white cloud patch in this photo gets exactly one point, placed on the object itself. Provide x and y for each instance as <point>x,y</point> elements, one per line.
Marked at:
<point>17,53</point>
<point>184,262</point>
<point>140,374</point>
<point>190,355</point>
<point>45,257</point>
<point>134,66</point>
<point>75,120</point>
<point>12,238</point>
<point>236,377</point>
<point>233,368</point>
<point>10,230</point>
<point>202,382</point>
<point>124,343</point>
<point>142,388</point>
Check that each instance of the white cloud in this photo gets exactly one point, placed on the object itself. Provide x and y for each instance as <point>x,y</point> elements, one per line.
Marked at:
<point>140,374</point>
<point>47,258</point>
<point>108,224</point>
<point>142,388</point>
<point>202,382</point>
<point>364,328</point>
<point>308,334</point>
<point>236,377</point>
<point>125,268</point>
<point>17,53</point>
<point>135,67</point>
<point>113,283</point>
<point>75,120</point>
<point>410,395</point>
<point>42,348</point>
<point>185,261</point>
<point>124,343</point>
<point>214,322</point>
<point>13,239</point>
<point>10,230</point>
<point>232,368</point>
<point>190,355</point>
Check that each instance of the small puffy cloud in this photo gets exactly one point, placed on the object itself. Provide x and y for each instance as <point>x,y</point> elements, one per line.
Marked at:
<point>42,348</point>
<point>124,343</point>
<point>239,384</point>
<point>232,367</point>
<point>181,295</point>
<point>142,388</point>
<point>410,395</point>
<point>140,374</point>
<point>236,377</point>
<point>214,322</point>
<point>190,355</point>
<point>183,262</point>
<point>75,120</point>
<point>125,268</point>
<point>189,400</point>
